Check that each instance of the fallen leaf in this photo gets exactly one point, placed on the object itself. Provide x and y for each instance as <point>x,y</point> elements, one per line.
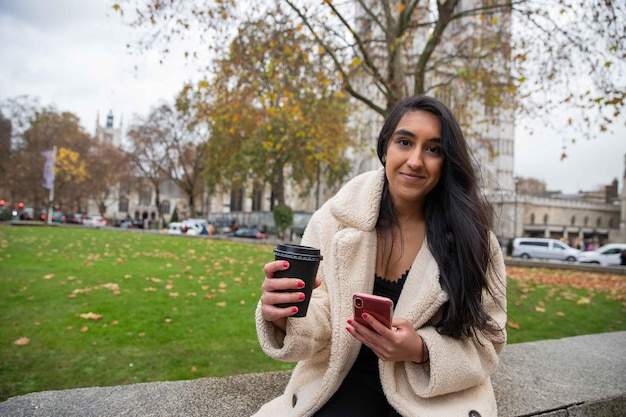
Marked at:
<point>83,329</point>
<point>583,300</point>
<point>560,314</point>
<point>22,341</point>
<point>221,304</point>
<point>48,276</point>
<point>90,316</point>
<point>512,324</point>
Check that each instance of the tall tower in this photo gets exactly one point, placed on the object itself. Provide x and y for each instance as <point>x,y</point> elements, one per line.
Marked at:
<point>109,133</point>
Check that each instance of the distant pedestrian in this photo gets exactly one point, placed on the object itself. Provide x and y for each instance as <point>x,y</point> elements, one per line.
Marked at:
<point>623,257</point>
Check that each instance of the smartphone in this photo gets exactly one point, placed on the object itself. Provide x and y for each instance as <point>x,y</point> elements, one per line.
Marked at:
<point>381,308</point>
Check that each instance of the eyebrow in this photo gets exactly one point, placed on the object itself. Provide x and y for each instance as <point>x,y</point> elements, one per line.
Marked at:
<point>403,132</point>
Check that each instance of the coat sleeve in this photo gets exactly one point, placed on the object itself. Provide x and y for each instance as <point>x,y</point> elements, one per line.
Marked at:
<point>458,364</point>
<point>304,336</point>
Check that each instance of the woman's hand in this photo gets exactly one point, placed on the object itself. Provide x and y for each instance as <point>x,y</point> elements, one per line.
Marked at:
<point>270,296</point>
<point>401,343</point>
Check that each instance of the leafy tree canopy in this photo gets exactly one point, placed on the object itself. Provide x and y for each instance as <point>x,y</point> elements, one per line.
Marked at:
<point>499,55</point>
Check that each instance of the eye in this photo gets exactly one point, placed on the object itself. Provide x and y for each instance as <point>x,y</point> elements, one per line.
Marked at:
<point>434,149</point>
<point>404,142</point>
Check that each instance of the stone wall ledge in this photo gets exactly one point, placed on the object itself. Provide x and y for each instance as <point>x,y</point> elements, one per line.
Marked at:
<point>581,376</point>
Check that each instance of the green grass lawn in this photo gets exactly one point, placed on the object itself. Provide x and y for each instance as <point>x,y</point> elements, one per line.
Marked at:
<point>85,307</point>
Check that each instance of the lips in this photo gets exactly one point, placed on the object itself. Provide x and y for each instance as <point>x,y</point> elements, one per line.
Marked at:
<point>412,176</point>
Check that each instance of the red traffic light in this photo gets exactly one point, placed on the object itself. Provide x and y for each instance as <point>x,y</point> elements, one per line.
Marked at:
<point>2,203</point>
<point>20,205</point>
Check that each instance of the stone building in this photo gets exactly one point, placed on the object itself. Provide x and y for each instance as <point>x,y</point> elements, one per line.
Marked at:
<point>596,216</point>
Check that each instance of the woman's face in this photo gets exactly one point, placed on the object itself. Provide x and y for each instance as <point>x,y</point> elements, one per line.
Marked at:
<point>414,157</point>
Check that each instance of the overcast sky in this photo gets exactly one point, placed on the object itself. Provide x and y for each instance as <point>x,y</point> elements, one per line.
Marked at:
<point>72,54</point>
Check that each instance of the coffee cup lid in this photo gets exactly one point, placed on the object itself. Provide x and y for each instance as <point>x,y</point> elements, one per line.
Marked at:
<point>298,251</point>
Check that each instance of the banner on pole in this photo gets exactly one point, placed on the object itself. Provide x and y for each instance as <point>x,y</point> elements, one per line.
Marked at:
<point>48,168</point>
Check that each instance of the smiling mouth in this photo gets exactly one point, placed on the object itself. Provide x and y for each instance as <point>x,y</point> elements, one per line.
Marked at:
<point>412,176</point>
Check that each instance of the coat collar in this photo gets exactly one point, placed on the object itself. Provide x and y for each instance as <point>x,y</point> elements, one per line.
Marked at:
<point>358,203</point>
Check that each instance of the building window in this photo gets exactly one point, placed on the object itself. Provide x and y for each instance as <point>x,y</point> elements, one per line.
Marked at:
<point>165,207</point>
<point>145,197</point>
<point>611,223</point>
<point>236,199</point>
<point>532,218</point>
<point>573,221</point>
<point>257,198</point>
<point>123,205</point>
<point>599,222</point>
<point>586,221</point>
<point>545,219</point>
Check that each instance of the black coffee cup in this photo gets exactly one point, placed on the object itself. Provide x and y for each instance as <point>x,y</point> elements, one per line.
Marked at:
<point>303,264</point>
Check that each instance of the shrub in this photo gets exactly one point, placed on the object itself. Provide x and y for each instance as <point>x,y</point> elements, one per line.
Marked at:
<point>174,217</point>
<point>283,218</point>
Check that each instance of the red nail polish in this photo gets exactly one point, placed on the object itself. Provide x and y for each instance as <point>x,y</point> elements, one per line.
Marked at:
<point>301,296</point>
<point>300,284</point>
<point>348,329</point>
<point>294,309</point>
<point>285,264</point>
<point>364,315</point>
<point>349,321</point>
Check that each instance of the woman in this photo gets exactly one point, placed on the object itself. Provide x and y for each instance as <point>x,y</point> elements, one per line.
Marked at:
<point>418,232</point>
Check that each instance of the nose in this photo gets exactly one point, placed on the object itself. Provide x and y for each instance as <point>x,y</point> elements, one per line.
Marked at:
<point>414,160</point>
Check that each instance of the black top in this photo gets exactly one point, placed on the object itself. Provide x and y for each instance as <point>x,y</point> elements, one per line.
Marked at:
<point>363,380</point>
<point>389,289</point>
<point>367,361</point>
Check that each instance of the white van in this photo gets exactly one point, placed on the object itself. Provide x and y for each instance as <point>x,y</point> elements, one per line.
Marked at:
<point>535,247</point>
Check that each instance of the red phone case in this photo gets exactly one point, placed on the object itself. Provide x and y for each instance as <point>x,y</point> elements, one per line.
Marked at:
<point>380,308</point>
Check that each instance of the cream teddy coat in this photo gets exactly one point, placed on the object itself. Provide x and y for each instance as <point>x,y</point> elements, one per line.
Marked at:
<point>456,382</point>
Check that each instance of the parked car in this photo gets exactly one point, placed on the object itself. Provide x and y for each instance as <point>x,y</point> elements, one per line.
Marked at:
<point>221,226</point>
<point>606,255</point>
<point>192,228</point>
<point>58,216</point>
<point>174,228</point>
<point>542,248</point>
<point>94,221</point>
<point>75,218</point>
<point>247,233</point>
<point>127,224</point>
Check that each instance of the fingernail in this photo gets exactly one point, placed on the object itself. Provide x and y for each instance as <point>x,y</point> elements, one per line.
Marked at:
<point>300,284</point>
<point>294,309</point>
<point>364,315</point>
<point>285,264</point>
<point>348,329</point>
<point>349,321</point>
<point>301,296</point>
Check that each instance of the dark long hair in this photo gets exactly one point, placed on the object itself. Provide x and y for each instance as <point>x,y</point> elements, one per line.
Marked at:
<point>458,221</point>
